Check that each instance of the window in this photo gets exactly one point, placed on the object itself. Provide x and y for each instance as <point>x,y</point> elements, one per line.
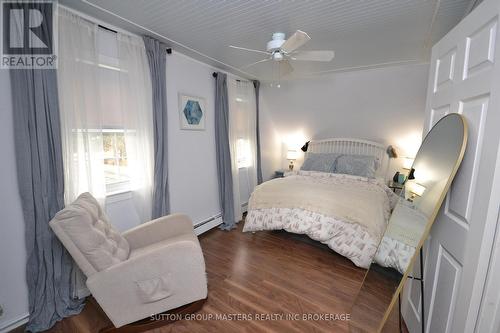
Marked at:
<point>116,173</point>
<point>243,153</point>
<point>106,113</point>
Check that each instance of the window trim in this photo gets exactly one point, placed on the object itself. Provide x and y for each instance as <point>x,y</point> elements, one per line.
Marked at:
<point>118,196</point>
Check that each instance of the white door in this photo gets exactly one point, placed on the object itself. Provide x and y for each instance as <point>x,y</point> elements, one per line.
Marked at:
<point>464,78</point>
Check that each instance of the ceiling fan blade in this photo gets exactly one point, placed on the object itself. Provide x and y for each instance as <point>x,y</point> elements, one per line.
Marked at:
<point>245,49</point>
<point>255,63</point>
<point>313,55</point>
<point>295,41</point>
<point>285,68</point>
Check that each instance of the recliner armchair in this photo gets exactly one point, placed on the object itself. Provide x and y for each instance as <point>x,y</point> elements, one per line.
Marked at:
<point>152,268</point>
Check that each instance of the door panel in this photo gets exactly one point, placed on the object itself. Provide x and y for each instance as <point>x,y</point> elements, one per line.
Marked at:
<point>445,70</point>
<point>461,195</point>
<point>465,78</point>
<point>480,50</point>
<point>414,298</point>
<point>447,275</point>
<point>438,113</point>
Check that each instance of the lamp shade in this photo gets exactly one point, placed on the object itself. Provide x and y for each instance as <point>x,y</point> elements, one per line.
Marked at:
<point>391,152</point>
<point>291,154</point>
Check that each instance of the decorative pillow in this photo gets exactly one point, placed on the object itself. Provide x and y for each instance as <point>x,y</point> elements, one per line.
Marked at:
<point>85,224</point>
<point>357,165</point>
<point>323,162</point>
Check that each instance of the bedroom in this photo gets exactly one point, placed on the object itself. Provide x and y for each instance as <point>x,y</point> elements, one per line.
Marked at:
<point>386,66</point>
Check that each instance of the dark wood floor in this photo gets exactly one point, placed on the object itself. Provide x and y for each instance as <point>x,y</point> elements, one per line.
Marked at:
<point>262,273</point>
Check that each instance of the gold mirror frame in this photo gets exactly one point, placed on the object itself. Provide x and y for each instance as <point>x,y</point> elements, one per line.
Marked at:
<point>426,231</point>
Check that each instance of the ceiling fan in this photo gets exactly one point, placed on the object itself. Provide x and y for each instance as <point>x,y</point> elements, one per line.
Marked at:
<point>282,51</point>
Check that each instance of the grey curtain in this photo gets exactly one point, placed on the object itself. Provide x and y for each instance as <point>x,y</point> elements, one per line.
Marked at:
<point>40,178</point>
<point>256,85</point>
<point>225,177</point>
<point>157,57</point>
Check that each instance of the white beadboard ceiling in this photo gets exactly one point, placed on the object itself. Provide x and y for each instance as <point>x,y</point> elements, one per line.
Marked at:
<point>363,33</point>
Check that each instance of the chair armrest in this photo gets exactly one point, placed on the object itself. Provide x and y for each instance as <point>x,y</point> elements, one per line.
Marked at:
<point>177,271</point>
<point>158,230</point>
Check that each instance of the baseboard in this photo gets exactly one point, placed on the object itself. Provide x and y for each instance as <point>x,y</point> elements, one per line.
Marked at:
<point>14,323</point>
<point>207,224</point>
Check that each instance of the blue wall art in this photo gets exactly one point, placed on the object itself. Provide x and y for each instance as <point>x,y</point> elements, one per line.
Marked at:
<point>192,112</point>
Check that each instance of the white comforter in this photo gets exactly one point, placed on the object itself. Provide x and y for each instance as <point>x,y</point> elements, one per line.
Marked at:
<point>347,213</point>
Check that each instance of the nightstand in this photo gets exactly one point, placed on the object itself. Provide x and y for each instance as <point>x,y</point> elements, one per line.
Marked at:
<point>395,187</point>
<point>279,173</point>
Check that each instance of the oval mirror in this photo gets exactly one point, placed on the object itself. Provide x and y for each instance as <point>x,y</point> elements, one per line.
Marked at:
<point>429,179</point>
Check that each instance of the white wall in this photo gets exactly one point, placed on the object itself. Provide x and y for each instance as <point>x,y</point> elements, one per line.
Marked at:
<point>385,105</point>
<point>192,163</point>
<point>13,292</point>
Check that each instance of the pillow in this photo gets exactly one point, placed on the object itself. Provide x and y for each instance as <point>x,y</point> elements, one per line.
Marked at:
<point>357,165</point>
<point>323,162</point>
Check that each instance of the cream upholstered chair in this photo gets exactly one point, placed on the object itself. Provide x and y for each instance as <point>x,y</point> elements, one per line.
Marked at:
<point>152,268</point>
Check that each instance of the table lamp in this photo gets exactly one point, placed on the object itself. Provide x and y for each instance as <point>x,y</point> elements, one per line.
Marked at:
<point>291,155</point>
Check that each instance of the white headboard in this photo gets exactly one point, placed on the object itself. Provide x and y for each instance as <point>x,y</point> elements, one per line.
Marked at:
<point>353,147</point>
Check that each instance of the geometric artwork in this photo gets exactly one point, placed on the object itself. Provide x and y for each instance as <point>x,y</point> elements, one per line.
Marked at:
<point>192,112</point>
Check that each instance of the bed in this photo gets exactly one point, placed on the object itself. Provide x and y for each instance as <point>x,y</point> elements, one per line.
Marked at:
<point>347,212</point>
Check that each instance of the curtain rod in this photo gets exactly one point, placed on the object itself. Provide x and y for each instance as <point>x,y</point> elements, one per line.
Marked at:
<point>169,50</point>
<point>106,28</point>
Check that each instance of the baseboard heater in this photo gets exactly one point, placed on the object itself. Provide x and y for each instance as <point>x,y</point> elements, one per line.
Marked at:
<point>14,323</point>
<point>213,221</point>
<point>208,224</point>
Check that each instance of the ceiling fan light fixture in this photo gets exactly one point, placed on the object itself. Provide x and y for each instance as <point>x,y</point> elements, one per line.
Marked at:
<point>277,56</point>
<point>280,51</point>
